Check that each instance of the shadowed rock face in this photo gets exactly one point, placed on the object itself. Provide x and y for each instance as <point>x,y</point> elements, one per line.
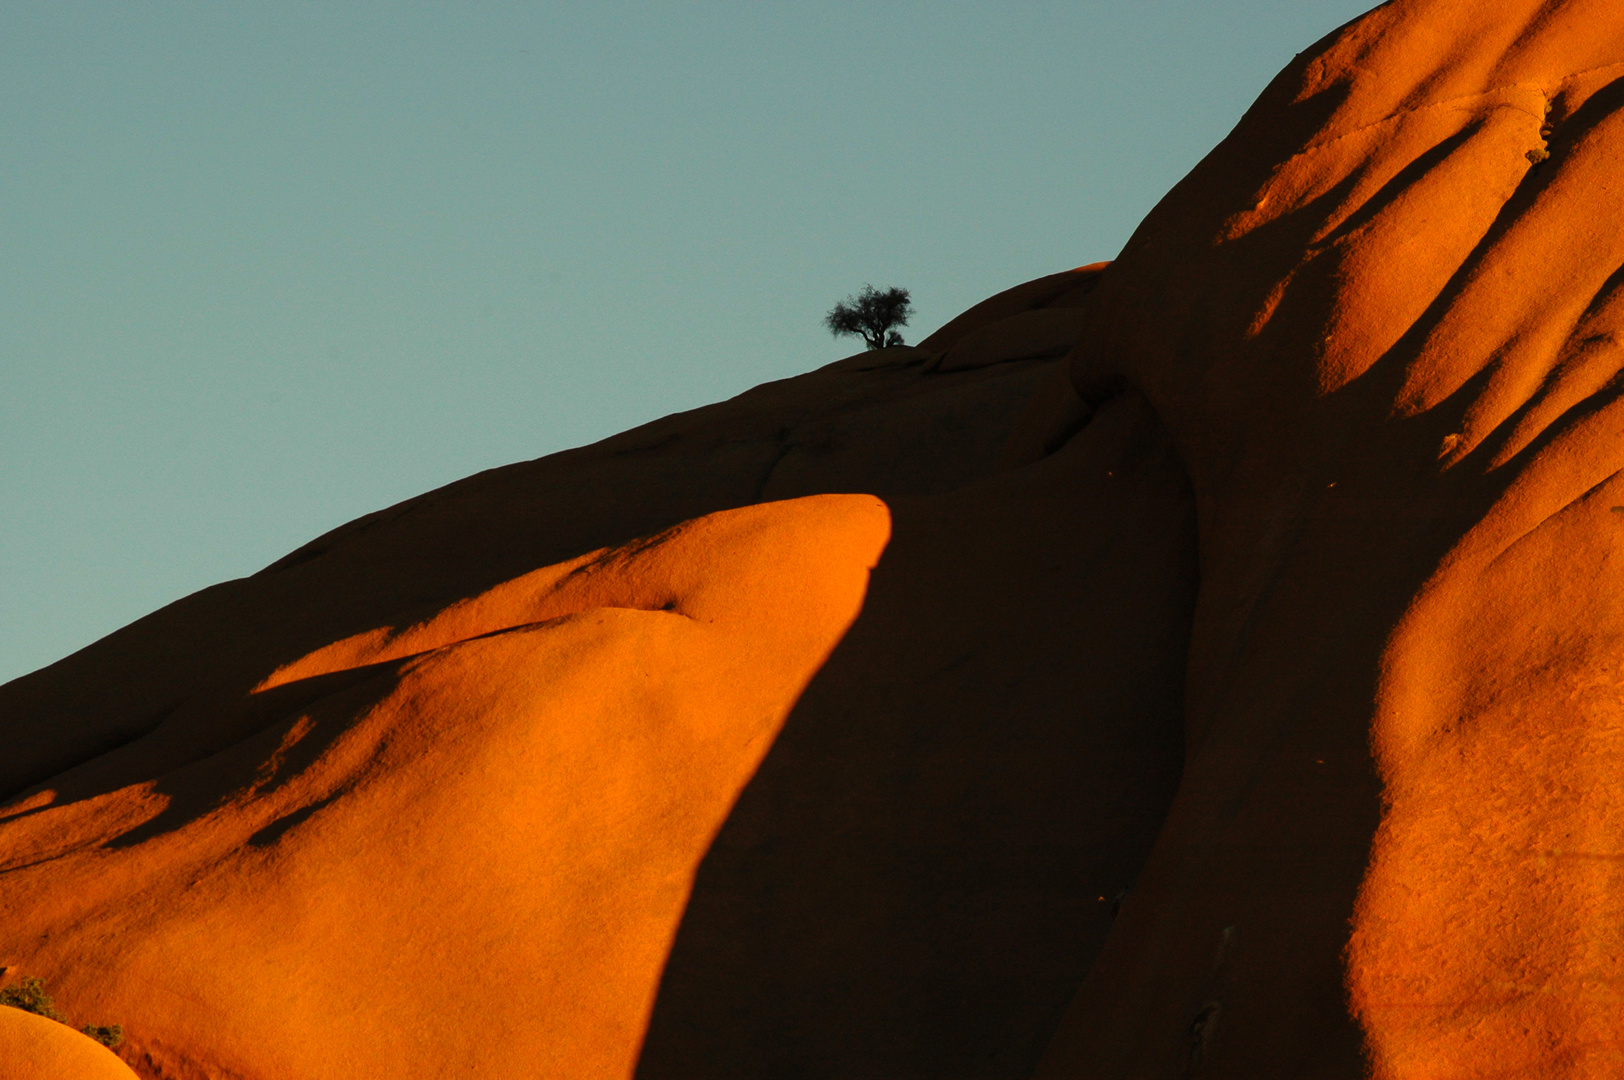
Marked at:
<point>645,757</point>
<point>1381,322</point>
<point>872,723</point>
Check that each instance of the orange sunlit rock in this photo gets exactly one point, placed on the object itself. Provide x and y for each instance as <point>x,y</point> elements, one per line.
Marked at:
<point>560,749</point>
<point>1381,323</point>
<point>1237,696</point>
<point>35,1048</point>
<point>433,788</point>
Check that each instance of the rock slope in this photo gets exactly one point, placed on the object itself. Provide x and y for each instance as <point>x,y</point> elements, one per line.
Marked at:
<point>1381,322</point>
<point>1205,665</point>
<point>658,756</point>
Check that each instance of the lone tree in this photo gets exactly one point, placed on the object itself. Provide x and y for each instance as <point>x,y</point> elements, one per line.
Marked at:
<point>871,314</point>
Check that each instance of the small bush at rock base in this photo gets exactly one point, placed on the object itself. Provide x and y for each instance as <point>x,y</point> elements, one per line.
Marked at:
<point>29,995</point>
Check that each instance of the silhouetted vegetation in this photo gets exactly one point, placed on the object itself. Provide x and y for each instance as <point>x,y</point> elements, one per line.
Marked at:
<point>29,995</point>
<point>871,315</point>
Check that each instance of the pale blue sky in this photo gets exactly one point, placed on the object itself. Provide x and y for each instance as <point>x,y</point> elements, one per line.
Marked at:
<point>269,267</point>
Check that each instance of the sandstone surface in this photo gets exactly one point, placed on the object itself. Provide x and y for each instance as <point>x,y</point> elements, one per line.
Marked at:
<point>35,1048</point>
<point>1381,323</point>
<point>582,767</point>
<point>1201,665</point>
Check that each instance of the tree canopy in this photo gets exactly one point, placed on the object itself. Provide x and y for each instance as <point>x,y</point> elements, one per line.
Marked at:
<point>871,315</point>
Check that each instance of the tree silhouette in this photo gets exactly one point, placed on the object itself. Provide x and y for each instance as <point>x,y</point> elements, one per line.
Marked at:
<point>871,315</point>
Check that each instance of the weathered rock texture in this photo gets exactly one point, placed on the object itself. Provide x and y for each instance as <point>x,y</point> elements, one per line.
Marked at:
<point>35,1048</point>
<point>873,724</point>
<point>1382,324</point>
<point>429,796</point>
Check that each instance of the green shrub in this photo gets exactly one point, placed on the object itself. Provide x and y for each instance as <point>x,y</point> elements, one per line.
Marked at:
<point>29,995</point>
<point>109,1035</point>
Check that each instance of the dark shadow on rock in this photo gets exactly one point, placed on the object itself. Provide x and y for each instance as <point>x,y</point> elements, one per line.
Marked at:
<point>168,686</point>
<point>930,857</point>
<point>273,736</point>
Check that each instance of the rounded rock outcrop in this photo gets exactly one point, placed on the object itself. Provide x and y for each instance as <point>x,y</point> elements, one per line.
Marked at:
<point>38,1048</point>
<point>1381,324</point>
